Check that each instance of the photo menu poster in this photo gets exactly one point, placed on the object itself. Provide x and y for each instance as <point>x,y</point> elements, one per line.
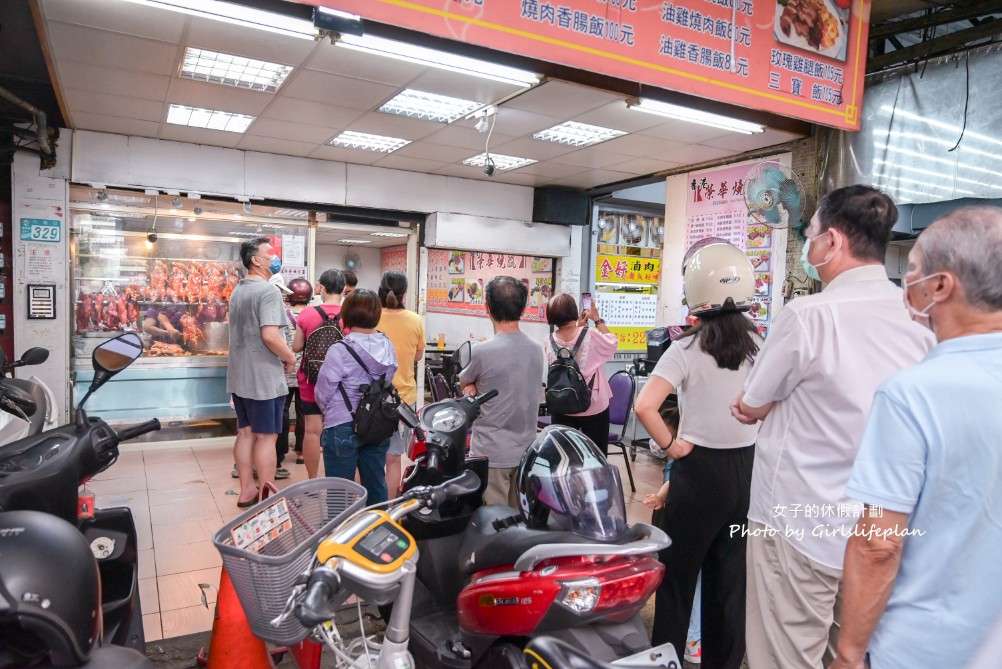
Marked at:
<point>456,281</point>
<point>716,208</point>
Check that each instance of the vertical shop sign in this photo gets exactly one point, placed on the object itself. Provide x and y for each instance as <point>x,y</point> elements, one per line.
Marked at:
<point>716,208</point>
<point>456,281</point>
<point>805,60</point>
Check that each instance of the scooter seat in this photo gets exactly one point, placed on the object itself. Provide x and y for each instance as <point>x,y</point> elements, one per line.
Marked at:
<point>485,547</point>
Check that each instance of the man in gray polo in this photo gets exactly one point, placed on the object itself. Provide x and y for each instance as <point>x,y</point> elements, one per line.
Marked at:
<point>259,359</point>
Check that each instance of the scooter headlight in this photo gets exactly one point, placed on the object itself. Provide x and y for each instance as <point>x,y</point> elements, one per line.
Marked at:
<point>447,419</point>
<point>580,596</point>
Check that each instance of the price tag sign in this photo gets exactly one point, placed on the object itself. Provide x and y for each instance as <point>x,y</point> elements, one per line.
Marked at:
<point>41,230</point>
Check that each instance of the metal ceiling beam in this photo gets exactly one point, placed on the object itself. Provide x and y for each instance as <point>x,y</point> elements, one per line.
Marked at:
<point>957,13</point>
<point>934,47</point>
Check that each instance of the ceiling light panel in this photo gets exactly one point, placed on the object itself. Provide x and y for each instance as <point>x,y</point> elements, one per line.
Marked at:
<point>429,106</point>
<point>387,234</point>
<point>577,134</point>
<point>350,139</point>
<point>208,118</point>
<point>230,70</point>
<point>691,115</point>
<point>501,163</point>
<point>354,241</point>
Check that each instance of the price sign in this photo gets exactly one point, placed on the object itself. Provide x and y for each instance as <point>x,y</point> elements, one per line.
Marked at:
<point>41,230</point>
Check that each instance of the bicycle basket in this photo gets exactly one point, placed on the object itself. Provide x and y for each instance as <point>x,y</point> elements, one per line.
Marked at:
<point>264,574</point>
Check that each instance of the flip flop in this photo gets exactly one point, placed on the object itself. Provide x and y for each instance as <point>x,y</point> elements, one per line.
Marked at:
<point>248,503</point>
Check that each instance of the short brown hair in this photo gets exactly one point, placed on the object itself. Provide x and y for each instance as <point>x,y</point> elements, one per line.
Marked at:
<point>361,309</point>
<point>561,309</point>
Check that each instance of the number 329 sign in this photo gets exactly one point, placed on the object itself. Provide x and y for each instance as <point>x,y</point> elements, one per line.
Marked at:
<point>41,230</point>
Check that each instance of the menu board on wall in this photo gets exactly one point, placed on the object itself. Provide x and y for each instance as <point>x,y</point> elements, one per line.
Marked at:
<point>394,258</point>
<point>716,208</point>
<point>456,281</point>
<point>801,59</point>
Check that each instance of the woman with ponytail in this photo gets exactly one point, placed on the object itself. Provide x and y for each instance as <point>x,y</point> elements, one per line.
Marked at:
<point>406,332</point>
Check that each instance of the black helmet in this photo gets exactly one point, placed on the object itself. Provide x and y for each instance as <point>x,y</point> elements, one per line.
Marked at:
<point>50,592</point>
<point>564,482</point>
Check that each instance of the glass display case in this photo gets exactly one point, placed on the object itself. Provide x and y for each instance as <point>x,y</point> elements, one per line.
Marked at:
<point>165,267</point>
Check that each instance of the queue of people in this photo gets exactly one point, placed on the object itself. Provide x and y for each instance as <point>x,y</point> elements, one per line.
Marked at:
<point>827,484</point>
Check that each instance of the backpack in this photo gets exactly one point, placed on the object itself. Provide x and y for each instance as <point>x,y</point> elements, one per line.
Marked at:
<point>375,418</point>
<point>320,340</point>
<point>567,392</point>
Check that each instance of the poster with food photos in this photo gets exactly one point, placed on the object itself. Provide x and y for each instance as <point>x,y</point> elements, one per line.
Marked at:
<point>716,207</point>
<point>263,527</point>
<point>457,281</point>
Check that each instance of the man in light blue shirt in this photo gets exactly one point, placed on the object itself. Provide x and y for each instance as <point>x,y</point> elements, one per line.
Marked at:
<point>923,569</point>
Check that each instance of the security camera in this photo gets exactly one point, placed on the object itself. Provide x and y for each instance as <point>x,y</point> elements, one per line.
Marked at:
<point>489,169</point>
<point>151,237</point>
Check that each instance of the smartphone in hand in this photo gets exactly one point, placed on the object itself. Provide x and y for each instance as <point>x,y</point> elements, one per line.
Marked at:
<point>586,301</point>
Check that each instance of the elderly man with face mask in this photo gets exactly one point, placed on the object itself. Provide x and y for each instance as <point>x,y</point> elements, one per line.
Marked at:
<point>923,573</point>
<point>812,386</point>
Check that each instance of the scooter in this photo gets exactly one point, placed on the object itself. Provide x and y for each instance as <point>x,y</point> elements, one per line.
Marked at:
<point>43,472</point>
<point>549,653</point>
<point>486,580</point>
<point>15,425</point>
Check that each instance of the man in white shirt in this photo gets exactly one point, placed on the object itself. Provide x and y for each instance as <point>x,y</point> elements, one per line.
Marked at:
<point>812,386</point>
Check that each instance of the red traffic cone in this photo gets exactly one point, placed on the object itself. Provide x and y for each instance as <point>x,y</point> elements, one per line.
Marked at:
<point>232,644</point>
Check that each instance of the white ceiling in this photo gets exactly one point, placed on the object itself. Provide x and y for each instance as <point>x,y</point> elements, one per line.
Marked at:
<point>117,63</point>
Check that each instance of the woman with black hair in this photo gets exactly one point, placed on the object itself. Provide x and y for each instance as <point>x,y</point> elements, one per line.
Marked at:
<point>406,333</point>
<point>713,454</point>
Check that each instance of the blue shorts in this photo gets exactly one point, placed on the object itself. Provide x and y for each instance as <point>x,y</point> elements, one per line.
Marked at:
<point>263,416</point>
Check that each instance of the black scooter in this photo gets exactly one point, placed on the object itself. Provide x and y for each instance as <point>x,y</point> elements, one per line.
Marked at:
<point>43,472</point>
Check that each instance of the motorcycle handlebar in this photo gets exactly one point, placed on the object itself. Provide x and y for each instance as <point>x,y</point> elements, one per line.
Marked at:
<point>486,397</point>
<point>464,484</point>
<point>138,430</point>
<point>318,605</point>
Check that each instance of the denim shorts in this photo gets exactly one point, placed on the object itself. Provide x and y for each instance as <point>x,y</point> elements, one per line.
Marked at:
<point>263,416</point>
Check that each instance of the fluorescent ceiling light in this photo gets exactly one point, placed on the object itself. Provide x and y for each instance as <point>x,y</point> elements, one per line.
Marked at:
<point>208,118</point>
<point>387,234</point>
<point>291,213</point>
<point>501,163</point>
<point>350,139</point>
<point>237,15</point>
<point>429,106</point>
<point>354,241</point>
<point>439,59</point>
<point>230,70</point>
<point>577,134</point>
<point>693,116</point>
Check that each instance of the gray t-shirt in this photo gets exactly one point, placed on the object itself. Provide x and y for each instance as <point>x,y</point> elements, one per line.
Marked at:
<point>253,371</point>
<point>513,365</point>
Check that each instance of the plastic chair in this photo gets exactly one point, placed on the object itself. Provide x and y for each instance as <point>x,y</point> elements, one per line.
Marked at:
<point>439,388</point>
<point>624,386</point>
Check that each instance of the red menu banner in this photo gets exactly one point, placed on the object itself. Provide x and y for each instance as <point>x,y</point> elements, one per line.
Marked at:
<point>393,259</point>
<point>799,58</point>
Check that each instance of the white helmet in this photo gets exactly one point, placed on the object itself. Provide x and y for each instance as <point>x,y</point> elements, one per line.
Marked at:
<point>718,277</point>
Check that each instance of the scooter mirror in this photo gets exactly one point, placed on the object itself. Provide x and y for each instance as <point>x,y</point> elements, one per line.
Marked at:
<point>408,415</point>
<point>111,357</point>
<point>116,354</point>
<point>35,356</point>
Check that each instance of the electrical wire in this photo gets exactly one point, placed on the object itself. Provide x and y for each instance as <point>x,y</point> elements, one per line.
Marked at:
<point>967,100</point>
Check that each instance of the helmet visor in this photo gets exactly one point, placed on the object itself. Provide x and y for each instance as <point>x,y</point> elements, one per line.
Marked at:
<point>593,499</point>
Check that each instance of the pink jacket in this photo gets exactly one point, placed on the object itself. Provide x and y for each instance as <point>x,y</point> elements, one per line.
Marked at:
<point>596,350</point>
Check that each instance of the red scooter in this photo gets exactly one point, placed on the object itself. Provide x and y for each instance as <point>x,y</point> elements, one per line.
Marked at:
<point>488,578</point>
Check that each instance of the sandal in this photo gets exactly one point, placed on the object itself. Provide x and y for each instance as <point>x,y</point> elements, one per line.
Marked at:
<point>248,503</point>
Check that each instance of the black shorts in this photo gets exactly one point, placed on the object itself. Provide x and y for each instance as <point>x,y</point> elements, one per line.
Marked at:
<point>311,409</point>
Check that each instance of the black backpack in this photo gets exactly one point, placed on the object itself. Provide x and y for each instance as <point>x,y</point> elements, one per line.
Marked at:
<point>320,340</point>
<point>375,418</point>
<point>567,392</point>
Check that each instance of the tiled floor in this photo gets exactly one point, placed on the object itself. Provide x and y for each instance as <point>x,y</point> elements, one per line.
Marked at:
<point>180,493</point>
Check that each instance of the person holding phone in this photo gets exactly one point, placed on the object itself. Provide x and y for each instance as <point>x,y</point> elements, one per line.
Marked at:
<point>597,348</point>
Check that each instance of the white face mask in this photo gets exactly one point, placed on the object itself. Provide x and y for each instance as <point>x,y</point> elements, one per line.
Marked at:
<point>918,314</point>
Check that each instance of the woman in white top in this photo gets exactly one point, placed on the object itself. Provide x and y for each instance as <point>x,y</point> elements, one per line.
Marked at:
<point>711,478</point>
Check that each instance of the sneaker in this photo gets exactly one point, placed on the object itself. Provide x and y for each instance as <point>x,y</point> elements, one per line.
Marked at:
<point>282,473</point>
<point>694,652</point>
<point>300,461</point>
<point>236,475</point>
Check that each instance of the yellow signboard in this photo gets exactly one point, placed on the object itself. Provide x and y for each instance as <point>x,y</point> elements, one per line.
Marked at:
<point>627,269</point>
